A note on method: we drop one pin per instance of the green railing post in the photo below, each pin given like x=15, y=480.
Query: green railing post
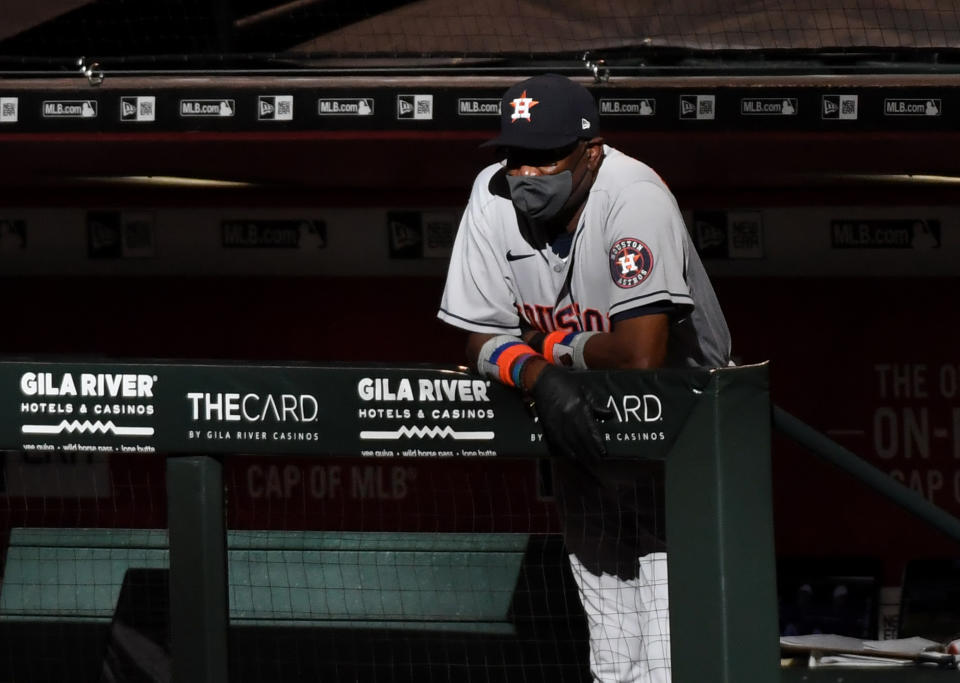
x=723, y=606
x=198, y=570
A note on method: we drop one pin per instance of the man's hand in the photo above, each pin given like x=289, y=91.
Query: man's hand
x=568, y=413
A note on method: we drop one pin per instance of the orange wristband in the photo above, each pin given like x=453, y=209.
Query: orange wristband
x=506, y=357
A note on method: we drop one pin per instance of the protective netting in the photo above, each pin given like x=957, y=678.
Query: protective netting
x=386, y=570
x=338, y=569
x=317, y=591
x=83, y=593
x=181, y=32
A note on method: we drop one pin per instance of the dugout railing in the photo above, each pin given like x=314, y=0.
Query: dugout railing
x=712, y=427
x=721, y=560
x=823, y=447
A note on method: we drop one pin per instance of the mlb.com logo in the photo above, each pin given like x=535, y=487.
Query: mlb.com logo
x=840, y=107
x=345, y=106
x=208, y=108
x=138, y=109
x=275, y=108
x=646, y=106
x=416, y=107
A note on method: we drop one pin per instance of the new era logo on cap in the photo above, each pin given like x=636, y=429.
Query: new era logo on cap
x=546, y=112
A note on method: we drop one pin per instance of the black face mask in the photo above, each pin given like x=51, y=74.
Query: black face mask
x=541, y=197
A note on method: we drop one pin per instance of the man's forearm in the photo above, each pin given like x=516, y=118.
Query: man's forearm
x=607, y=351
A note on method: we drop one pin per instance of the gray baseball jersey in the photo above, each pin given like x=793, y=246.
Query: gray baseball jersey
x=631, y=249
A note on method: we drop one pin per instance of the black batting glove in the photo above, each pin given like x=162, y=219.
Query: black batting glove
x=568, y=413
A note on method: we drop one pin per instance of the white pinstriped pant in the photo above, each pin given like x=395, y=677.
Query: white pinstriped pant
x=629, y=622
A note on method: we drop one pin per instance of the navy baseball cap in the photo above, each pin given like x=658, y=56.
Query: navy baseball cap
x=546, y=112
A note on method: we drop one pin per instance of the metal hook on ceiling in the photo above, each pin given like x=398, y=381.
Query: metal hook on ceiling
x=92, y=71
x=598, y=67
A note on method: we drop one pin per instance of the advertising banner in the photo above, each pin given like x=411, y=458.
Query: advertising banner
x=371, y=411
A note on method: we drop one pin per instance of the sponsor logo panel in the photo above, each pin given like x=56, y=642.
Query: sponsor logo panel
x=423, y=417
x=643, y=106
x=138, y=234
x=120, y=234
x=70, y=109
x=728, y=235
x=208, y=108
x=893, y=106
x=275, y=108
x=745, y=235
x=139, y=108
x=74, y=412
x=478, y=106
x=840, y=107
x=268, y=417
x=9, y=109
x=104, y=236
x=906, y=233
x=87, y=413
x=710, y=233
x=345, y=106
x=273, y=233
x=698, y=107
x=405, y=234
x=415, y=107
x=769, y=106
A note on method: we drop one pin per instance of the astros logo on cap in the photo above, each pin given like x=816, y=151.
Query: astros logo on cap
x=521, y=107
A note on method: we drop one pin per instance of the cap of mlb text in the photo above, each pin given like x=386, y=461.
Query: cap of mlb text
x=546, y=112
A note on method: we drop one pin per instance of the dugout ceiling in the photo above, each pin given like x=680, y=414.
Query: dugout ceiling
x=440, y=28
x=542, y=26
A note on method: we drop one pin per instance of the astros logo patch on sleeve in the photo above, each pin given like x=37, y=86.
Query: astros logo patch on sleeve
x=631, y=261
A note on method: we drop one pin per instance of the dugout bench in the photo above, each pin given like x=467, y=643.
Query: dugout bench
x=436, y=581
